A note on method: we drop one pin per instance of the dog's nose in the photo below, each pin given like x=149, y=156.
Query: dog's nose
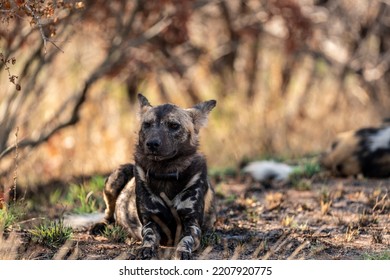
x=153, y=144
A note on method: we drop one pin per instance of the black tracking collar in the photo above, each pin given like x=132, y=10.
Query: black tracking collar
x=163, y=176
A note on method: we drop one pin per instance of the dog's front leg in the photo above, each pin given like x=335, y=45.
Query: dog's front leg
x=190, y=240
x=148, y=207
x=113, y=187
x=150, y=241
x=189, y=206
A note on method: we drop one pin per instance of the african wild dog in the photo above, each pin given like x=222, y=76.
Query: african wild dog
x=365, y=151
x=165, y=197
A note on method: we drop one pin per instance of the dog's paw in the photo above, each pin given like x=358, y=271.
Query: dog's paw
x=182, y=255
x=146, y=253
x=97, y=229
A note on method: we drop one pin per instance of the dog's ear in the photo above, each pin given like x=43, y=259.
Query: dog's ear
x=144, y=104
x=199, y=113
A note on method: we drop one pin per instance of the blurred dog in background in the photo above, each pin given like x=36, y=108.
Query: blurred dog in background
x=365, y=151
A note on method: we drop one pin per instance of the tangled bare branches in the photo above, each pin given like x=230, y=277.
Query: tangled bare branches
x=141, y=40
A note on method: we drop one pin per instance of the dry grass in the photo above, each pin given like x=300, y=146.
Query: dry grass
x=351, y=234
x=301, y=232
x=9, y=246
x=273, y=200
x=325, y=207
x=325, y=202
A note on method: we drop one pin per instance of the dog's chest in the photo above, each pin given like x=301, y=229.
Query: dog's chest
x=183, y=195
x=168, y=187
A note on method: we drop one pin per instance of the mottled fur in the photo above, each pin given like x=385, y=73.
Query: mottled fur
x=165, y=198
x=365, y=151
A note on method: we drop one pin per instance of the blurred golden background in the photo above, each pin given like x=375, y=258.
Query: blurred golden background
x=288, y=76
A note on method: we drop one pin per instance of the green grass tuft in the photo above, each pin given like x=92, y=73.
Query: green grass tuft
x=231, y=199
x=96, y=183
x=377, y=256
x=52, y=234
x=55, y=196
x=301, y=176
x=9, y=215
x=81, y=198
x=307, y=170
x=86, y=198
x=211, y=238
x=115, y=234
x=222, y=173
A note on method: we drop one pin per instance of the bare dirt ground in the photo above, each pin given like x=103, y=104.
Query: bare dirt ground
x=324, y=218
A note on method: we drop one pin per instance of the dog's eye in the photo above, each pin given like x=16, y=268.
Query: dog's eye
x=146, y=125
x=173, y=126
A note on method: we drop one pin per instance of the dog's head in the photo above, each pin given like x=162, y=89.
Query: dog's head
x=168, y=131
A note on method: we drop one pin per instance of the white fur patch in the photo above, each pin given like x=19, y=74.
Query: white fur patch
x=381, y=140
x=186, y=204
x=267, y=170
x=141, y=173
x=83, y=221
x=189, y=202
x=156, y=200
x=155, y=210
x=193, y=180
